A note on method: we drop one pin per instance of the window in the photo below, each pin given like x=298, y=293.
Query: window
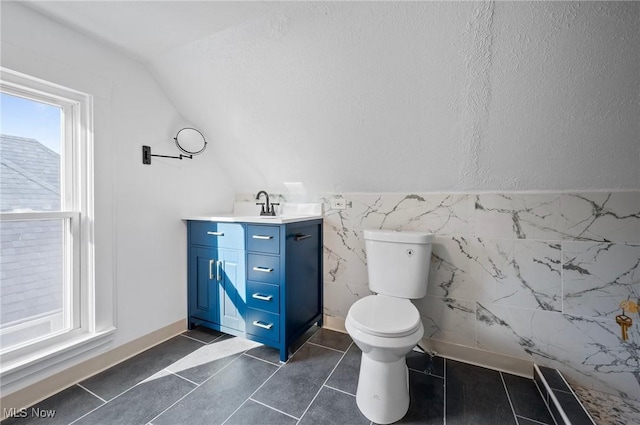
x=46, y=258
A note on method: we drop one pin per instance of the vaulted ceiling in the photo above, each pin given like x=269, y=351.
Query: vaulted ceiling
x=394, y=96
x=146, y=29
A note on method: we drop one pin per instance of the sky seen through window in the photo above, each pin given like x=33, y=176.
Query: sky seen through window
x=31, y=119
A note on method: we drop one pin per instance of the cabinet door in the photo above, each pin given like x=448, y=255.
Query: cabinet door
x=303, y=274
x=231, y=287
x=203, y=288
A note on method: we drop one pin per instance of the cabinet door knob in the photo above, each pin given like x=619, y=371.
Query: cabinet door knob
x=262, y=297
x=262, y=325
x=262, y=269
x=215, y=233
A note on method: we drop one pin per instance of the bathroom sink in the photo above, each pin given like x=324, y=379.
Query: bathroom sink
x=248, y=212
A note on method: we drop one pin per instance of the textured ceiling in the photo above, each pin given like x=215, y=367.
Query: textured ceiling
x=394, y=96
x=146, y=29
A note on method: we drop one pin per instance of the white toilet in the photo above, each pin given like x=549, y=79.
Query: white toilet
x=387, y=326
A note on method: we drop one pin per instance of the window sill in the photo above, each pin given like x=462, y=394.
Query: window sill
x=26, y=370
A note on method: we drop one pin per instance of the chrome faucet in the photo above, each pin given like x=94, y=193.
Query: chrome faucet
x=269, y=210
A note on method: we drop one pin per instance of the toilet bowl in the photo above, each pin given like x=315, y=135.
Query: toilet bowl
x=387, y=326
x=386, y=329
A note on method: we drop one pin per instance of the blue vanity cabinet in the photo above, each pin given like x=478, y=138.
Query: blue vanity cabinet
x=269, y=288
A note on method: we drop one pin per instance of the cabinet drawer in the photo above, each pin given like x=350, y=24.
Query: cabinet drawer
x=263, y=324
x=222, y=235
x=263, y=239
x=263, y=296
x=263, y=268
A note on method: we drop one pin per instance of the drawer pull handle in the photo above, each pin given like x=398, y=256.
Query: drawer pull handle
x=262, y=297
x=215, y=233
x=211, y=276
x=262, y=237
x=262, y=325
x=301, y=237
x=262, y=269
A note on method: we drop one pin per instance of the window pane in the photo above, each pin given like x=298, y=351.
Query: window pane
x=32, y=292
x=29, y=155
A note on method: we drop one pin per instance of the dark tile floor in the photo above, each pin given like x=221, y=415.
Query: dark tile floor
x=205, y=377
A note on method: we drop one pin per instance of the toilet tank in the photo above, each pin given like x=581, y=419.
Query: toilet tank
x=398, y=262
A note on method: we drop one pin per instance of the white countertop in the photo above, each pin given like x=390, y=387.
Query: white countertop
x=279, y=219
x=248, y=212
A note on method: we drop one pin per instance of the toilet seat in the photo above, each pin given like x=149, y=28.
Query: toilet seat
x=384, y=316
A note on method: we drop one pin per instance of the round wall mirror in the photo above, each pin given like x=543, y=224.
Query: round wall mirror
x=190, y=141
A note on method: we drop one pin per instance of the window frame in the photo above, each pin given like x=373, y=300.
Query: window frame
x=77, y=211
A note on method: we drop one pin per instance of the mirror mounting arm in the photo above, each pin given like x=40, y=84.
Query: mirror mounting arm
x=146, y=155
x=189, y=134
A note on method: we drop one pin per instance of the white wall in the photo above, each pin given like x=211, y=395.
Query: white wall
x=140, y=238
x=420, y=96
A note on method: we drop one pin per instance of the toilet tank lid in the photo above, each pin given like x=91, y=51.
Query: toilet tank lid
x=398, y=237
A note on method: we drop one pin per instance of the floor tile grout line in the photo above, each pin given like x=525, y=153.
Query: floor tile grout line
x=425, y=373
x=217, y=338
x=92, y=410
x=181, y=377
x=115, y=397
x=273, y=408
x=325, y=382
x=89, y=412
x=444, y=396
x=193, y=389
x=506, y=390
x=328, y=348
x=551, y=397
x=575, y=396
x=92, y=393
x=302, y=345
x=194, y=339
x=339, y=390
x=532, y=420
x=251, y=395
x=234, y=412
x=262, y=360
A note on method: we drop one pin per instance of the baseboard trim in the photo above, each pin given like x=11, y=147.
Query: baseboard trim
x=461, y=353
x=47, y=387
x=334, y=323
x=481, y=358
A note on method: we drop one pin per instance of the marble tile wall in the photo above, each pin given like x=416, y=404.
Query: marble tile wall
x=537, y=276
